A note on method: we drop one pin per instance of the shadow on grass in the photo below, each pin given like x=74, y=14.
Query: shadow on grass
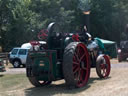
x=54, y=89
x=16, y=68
x=1, y=75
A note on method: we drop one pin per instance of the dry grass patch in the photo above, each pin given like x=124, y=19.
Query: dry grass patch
x=11, y=83
x=115, y=85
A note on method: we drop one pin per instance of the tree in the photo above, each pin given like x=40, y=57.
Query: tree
x=19, y=25
x=21, y=20
x=108, y=18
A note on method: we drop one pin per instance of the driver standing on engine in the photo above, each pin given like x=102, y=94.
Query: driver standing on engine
x=91, y=44
x=88, y=36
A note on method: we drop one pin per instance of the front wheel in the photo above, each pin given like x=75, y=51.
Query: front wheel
x=103, y=66
x=76, y=66
x=30, y=74
x=16, y=63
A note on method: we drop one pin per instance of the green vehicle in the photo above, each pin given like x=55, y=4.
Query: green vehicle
x=67, y=56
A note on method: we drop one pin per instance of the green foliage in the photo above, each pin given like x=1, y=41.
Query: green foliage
x=19, y=24
x=53, y=11
x=84, y=5
x=21, y=20
x=108, y=19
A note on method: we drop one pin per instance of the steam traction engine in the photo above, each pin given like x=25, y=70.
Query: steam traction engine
x=65, y=56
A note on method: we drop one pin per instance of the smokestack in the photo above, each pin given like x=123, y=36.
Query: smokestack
x=87, y=20
x=85, y=8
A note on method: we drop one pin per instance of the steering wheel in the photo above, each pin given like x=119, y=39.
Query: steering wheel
x=47, y=33
x=43, y=34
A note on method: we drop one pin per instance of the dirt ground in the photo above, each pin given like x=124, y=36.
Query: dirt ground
x=115, y=85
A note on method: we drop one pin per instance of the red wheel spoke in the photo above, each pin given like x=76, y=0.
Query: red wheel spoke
x=76, y=70
x=82, y=56
x=74, y=67
x=77, y=57
x=75, y=63
x=78, y=51
x=81, y=76
x=102, y=66
x=84, y=68
x=106, y=66
x=74, y=59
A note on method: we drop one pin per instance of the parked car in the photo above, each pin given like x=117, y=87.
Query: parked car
x=2, y=67
x=18, y=56
x=123, y=51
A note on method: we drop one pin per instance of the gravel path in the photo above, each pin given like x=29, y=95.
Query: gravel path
x=14, y=71
x=114, y=64
x=119, y=65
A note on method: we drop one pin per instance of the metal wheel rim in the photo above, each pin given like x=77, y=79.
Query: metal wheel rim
x=16, y=63
x=105, y=67
x=81, y=65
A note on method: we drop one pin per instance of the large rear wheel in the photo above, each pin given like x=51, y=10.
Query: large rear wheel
x=103, y=66
x=76, y=66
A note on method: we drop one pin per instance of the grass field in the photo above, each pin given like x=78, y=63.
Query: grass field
x=115, y=85
x=12, y=83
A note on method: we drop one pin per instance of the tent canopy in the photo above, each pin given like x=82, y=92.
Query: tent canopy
x=106, y=41
x=108, y=46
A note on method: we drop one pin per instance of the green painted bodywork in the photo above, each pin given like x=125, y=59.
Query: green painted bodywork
x=46, y=67
x=47, y=64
